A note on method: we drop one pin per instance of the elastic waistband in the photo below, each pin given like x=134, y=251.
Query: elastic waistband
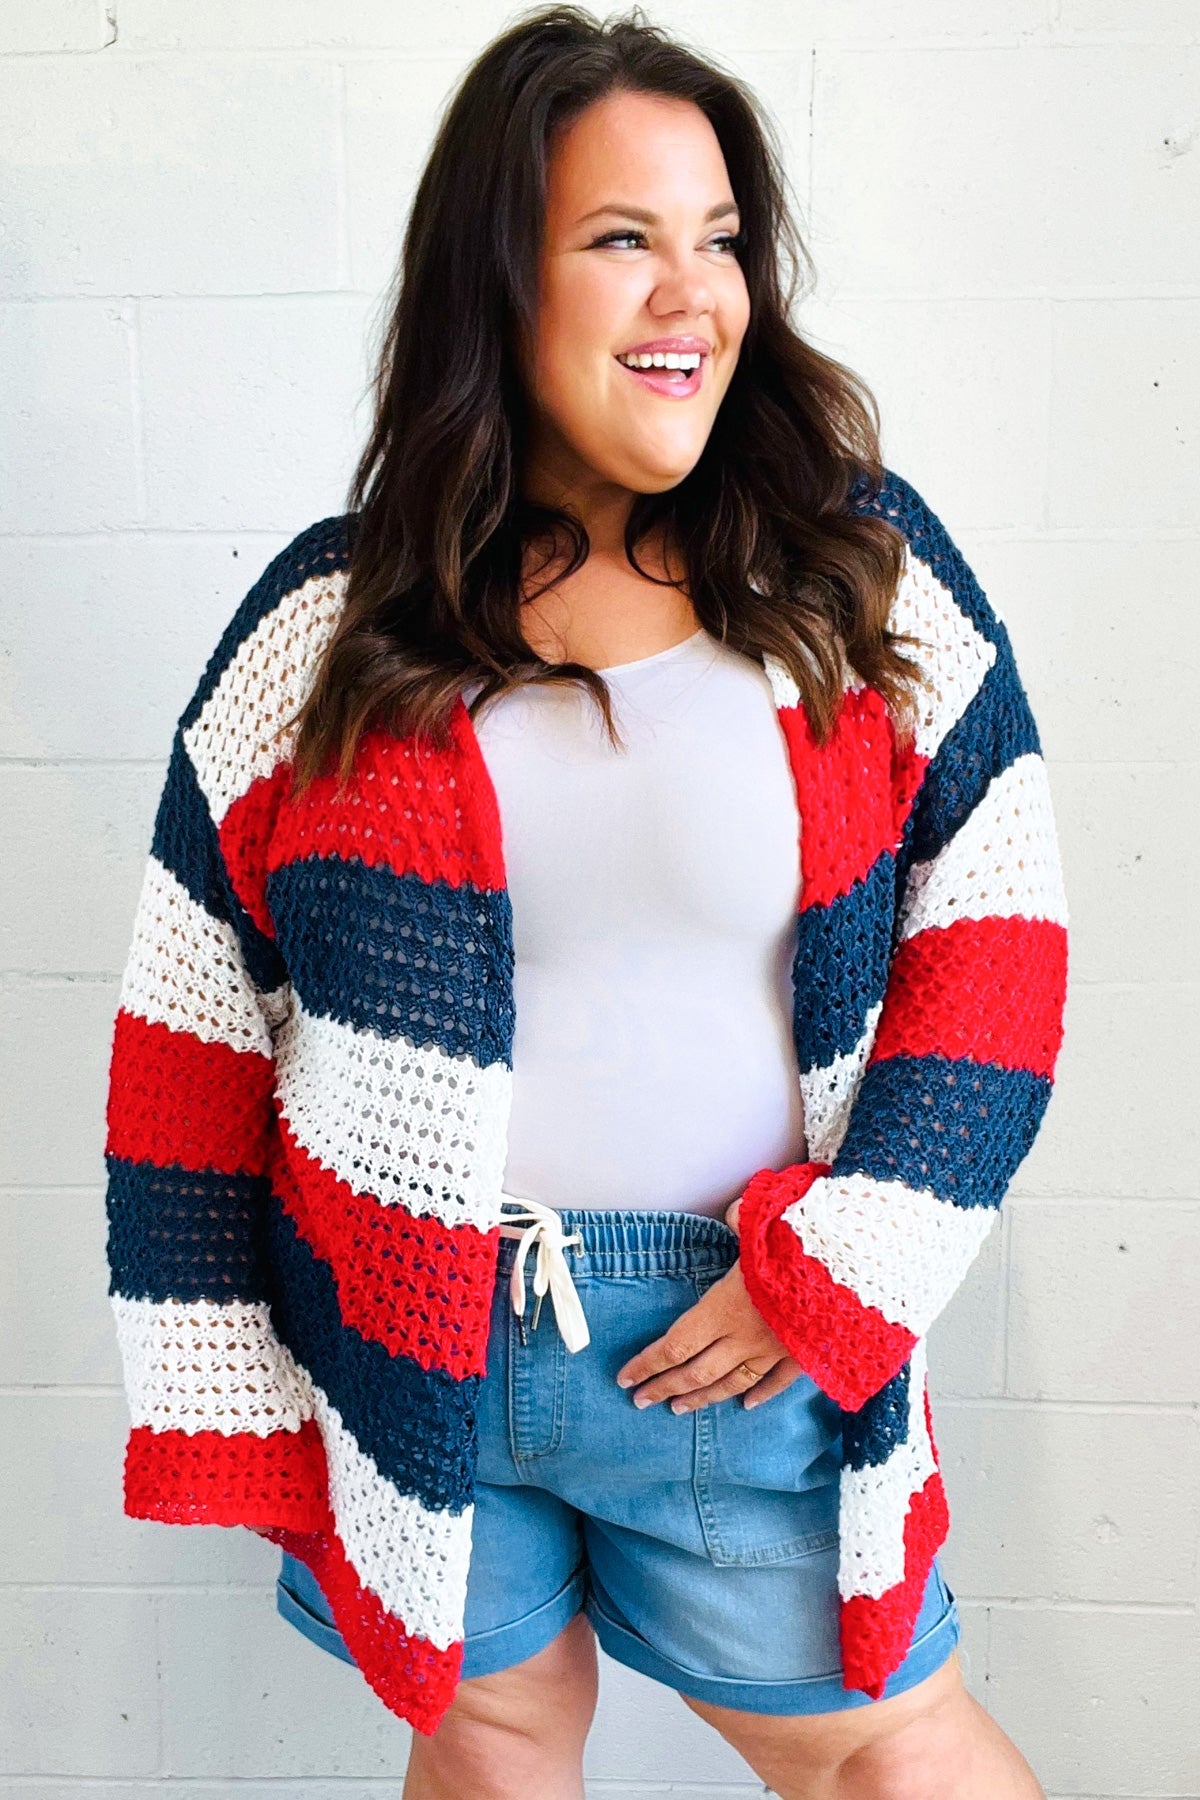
x=634, y=1241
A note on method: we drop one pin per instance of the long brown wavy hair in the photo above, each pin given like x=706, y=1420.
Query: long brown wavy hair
x=774, y=561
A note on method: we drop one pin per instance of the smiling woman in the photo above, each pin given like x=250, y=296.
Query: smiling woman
x=726, y=1007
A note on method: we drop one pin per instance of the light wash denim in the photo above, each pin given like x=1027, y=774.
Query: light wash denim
x=703, y=1546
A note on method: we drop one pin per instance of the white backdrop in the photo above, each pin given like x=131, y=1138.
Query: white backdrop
x=201, y=207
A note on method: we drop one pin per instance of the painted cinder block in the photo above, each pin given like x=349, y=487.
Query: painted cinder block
x=1049, y=1502
x=1100, y=1702
x=1066, y=602
x=68, y=456
x=73, y=830
x=254, y=410
x=1123, y=448
x=1115, y=1126
x=86, y=1702
x=168, y=175
x=54, y=1055
x=136, y=619
x=935, y=368
x=1103, y=1300
x=1101, y=196
x=58, y=1238
x=74, y=1443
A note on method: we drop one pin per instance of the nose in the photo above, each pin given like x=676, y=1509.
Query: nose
x=683, y=287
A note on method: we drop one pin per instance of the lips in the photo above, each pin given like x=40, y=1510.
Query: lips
x=666, y=383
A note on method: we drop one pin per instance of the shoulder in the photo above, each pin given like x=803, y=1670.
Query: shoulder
x=930, y=546
x=238, y=725
x=961, y=640
x=288, y=614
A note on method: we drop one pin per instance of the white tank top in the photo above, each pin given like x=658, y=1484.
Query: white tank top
x=654, y=893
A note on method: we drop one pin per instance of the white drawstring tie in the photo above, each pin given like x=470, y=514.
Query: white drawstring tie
x=543, y=1226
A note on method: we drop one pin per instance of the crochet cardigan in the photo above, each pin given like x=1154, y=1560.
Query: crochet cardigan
x=311, y=1073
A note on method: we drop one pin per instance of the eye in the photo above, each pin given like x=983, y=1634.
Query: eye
x=617, y=236
x=730, y=242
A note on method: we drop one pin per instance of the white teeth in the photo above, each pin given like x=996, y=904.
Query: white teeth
x=686, y=360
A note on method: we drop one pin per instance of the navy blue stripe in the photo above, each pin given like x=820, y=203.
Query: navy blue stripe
x=840, y=966
x=902, y=506
x=179, y=1234
x=957, y=1127
x=321, y=549
x=870, y=1435
x=422, y=960
x=418, y=1425
x=185, y=841
x=994, y=731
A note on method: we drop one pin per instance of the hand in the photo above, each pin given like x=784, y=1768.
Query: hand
x=700, y=1358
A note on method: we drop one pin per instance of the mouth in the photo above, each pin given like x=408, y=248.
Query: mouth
x=674, y=382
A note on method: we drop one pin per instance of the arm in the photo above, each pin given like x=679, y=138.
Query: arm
x=221, y=1431
x=851, y=1258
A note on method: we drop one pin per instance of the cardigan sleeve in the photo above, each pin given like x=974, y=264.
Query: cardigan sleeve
x=221, y=1430
x=851, y=1258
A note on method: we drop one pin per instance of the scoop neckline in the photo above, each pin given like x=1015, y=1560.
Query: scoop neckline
x=640, y=662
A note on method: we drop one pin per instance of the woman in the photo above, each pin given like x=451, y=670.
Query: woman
x=621, y=841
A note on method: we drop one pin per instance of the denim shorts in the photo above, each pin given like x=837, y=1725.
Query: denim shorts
x=702, y=1546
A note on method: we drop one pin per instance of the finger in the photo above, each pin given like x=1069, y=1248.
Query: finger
x=737, y=1381
x=731, y=1214
x=686, y=1338
x=780, y=1377
x=699, y=1372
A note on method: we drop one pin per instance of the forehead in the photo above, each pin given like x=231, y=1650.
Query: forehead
x=644, y=149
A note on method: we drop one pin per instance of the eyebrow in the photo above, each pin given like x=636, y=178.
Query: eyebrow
x=720, y=211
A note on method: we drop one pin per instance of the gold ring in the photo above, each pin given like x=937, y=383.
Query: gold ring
x=752, y=1373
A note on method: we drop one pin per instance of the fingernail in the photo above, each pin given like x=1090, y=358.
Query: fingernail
x=642, y=1399
x=624, y=1380
x=678, y=1406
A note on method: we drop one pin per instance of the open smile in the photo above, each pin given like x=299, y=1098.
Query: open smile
x=675, y=384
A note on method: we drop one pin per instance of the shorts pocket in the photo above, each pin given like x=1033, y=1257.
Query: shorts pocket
x=766, y=1480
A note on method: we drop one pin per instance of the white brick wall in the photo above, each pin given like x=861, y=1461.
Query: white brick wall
x=202, y=205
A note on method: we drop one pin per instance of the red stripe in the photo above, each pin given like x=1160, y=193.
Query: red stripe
x=244, y=834
x=175, y=1100
x=413, y=1284
x=278, y=1487
x=876, y=1634
x=989, y=989
x=208, y=1478
x=854, y=793
x=414, y=1679
x=848, y=1349
x=406, y=806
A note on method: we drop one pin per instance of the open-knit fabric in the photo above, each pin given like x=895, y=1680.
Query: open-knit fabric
x=311, y=1076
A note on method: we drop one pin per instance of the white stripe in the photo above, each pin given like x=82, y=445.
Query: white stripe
x=873, y=1502
x=784, y=690
x=1001, y=863
x=197, y=1365
x=953, y=654
x=415, y=1128
x=234, y=742
x=415, y=1560
x=902, y=1250
x=829, y=1093
x=185, y=971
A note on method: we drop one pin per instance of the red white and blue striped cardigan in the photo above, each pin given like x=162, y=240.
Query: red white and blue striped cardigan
x=310, y=1081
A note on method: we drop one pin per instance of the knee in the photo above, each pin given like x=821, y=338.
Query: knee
x=926, y=1757
x=516, y=1734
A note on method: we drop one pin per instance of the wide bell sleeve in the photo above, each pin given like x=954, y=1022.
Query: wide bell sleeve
x=220, y=1427
x=918, y=1125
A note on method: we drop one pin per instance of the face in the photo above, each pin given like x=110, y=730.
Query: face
x=637, y=249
